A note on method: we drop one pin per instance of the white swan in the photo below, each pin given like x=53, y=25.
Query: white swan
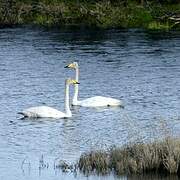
x=96, y=101
x=48, y=112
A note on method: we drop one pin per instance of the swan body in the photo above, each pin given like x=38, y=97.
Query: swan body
x=43, y=112
x=96, y=101
x=49, y=112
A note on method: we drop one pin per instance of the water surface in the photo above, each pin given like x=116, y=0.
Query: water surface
x=138, y=67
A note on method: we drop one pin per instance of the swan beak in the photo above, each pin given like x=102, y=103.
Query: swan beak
x=66, y=66
x=71, y=81
x=72, y=66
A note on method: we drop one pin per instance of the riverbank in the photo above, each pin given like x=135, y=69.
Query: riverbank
x=98, y=14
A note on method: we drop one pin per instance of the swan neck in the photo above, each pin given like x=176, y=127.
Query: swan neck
x=76, y=88
x=67, y=108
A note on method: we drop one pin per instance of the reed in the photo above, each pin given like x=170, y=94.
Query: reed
x=141, y=158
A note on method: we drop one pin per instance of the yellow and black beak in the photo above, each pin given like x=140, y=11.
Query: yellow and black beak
x=66, y=66
x=72, y=66
x=75, y=82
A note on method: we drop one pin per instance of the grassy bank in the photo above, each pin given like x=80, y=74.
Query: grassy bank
x=101, y=14
x=161, y=157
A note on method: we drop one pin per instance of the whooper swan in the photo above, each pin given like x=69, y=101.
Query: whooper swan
x=96, y=101
x=48, y=112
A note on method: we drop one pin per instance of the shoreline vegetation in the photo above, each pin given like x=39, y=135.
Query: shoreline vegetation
x=161, y=157
x=147, y=14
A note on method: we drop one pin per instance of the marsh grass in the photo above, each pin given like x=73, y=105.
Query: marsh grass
x=140, y=158
x=95, y=161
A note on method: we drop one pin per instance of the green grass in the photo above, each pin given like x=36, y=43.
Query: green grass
x=159, y=26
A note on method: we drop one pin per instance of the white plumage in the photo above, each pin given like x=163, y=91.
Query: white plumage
x=99, y=101
x=49, y=112
x=43, y=112
x=96, y=101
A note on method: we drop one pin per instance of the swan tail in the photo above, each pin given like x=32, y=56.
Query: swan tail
x=21, y=113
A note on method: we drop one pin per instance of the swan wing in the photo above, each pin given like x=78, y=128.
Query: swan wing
x=99, y=101
x=43, y=111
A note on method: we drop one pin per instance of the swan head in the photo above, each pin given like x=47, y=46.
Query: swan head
x=71, y=81
x=73, y=65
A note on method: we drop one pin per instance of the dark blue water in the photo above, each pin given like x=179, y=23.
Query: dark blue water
x=140, y=68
